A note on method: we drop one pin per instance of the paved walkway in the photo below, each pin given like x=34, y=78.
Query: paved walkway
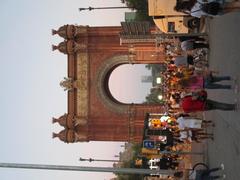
x=224, y=37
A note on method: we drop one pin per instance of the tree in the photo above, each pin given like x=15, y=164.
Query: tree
x=135, y=149
x=136, y=4
x=141, y=7
x=148, y=66
x=152, y=98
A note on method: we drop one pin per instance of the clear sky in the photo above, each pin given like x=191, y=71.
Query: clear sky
x=126, y=86
x=30, y=91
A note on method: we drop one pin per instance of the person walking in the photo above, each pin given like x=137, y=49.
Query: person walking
x=211, y=8
x=198, y=101
x=207, y=81
x=182, y=61
x=208, y=174
x=191, y=44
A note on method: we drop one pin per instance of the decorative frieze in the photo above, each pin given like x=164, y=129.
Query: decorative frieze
x=82, y=84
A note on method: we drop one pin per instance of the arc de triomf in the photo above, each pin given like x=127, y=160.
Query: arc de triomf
x=93, y=113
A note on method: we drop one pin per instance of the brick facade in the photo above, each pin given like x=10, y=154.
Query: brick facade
x=92, y=54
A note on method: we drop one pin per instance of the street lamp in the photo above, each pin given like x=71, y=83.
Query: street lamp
x=103, y=160
x=88, y=169
x=93, y=8
x=159, y=80
x=160, y=97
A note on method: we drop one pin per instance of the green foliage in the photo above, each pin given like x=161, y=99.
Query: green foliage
x=148, y=66
x=152, y=98
x=136, y=148
x=141, y=7
x=157, y=68
x=130, y=177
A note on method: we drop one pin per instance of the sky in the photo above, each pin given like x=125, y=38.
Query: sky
x=30, y=92
x=126, y=83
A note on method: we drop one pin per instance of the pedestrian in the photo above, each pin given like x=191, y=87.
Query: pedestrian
x=207, y=174
x=210, y=81
x=192, y=123
x=201, y=8
x=198, y=101
x=179, y=61
x=167, y=163
x=198, y=135
x=207, y=81
x=195, y=38
x=191, y=44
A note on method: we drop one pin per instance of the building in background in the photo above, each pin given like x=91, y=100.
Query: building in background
x=146, y=79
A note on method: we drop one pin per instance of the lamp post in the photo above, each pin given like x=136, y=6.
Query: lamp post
x=93, y=8
x=100, y=160
x=88, y=169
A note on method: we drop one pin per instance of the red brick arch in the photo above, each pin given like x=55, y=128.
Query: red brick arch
x=93, y=53
x=102, y=78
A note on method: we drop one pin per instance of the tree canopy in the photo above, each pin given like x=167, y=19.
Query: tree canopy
x=136, y=148
x=141, y=7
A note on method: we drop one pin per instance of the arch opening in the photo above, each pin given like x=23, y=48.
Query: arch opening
x=103, y=80
x=129, y=83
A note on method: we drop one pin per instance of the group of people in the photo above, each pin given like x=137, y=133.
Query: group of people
x=187, y=91
x=210, y=8
x=185, y=83
x=181, y=128
x=184, y=87
x=170, y=131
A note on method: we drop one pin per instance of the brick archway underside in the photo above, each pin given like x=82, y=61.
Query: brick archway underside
x=102, y=83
